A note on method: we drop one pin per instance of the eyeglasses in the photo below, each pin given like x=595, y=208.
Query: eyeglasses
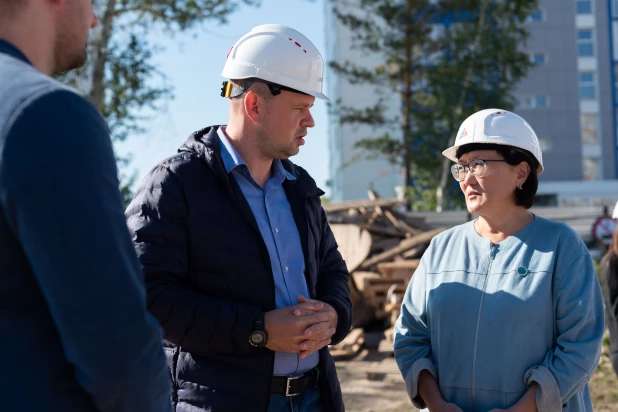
x=477, y=168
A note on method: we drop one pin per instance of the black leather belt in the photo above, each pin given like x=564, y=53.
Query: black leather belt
x=295, y=384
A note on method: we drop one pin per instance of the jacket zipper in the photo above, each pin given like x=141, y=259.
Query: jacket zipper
x=478, y=323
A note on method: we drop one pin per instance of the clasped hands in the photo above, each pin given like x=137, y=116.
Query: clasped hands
x=302, y=328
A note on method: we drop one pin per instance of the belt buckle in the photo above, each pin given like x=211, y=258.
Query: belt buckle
x=287, y=383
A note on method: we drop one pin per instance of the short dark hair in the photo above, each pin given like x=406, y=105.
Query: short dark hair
x=513, y=156
x=256, y=85
x=274, y=88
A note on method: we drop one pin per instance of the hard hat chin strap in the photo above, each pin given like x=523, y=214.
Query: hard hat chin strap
x=231, y=90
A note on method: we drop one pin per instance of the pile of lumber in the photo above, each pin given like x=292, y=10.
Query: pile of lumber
x=382, y=248
x=350, y=345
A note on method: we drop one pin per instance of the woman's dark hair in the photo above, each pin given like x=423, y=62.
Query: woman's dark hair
x=513, y=156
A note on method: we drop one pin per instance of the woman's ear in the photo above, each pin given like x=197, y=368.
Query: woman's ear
x=523, y=171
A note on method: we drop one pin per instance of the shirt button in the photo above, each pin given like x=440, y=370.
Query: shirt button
x=276, y=230
x=286, y=269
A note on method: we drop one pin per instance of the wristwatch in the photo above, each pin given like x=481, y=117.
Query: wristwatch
x=258, y=336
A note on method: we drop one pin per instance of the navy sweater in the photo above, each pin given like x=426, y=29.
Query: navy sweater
x=76, y=335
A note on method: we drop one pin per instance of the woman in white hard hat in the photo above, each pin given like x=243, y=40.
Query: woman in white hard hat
x=504, y=312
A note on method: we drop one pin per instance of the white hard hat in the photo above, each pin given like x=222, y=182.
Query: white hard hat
x=280, y=55
x=496, y=126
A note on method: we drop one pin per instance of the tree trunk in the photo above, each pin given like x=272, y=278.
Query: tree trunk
x=462, y=99
x=97, y=92
x=442, y=185
x=406, y=125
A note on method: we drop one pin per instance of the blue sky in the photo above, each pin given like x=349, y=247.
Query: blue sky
x=193, y=63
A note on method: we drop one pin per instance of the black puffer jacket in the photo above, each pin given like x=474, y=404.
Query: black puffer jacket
x=208, y=275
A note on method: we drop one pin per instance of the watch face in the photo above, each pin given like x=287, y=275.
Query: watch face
x=257, y=338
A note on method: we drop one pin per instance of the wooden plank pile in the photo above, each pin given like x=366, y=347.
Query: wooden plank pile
x=382, y=249
x=350, y=345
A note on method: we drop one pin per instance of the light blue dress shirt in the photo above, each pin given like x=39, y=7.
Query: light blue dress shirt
x=274, y=217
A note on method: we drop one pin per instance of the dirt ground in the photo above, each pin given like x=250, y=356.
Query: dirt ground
x=385, y=392
x=371, y=382
x=604, y=385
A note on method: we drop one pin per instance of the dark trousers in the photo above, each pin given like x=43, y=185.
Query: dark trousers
x=308, y=401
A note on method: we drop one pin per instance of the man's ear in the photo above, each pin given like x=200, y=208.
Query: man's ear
x=253, y=105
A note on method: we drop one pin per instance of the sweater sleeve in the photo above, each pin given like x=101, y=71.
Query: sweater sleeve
x=580, y=324
x=59, y=192
x=412, y=341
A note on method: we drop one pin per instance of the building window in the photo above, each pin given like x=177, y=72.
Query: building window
x=520, y=103
x=615, y=8
x=583, y=7
x=540, y=101
x=545, y=144
x=574, y=202
x=587, y=86
x=591, y=166
x=590, y=134
x=531, y=102
x=536, y=15
x=538, y=58
x=549, y=200
x=585, y=43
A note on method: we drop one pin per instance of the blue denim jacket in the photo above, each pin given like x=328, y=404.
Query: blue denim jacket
x=488, y=320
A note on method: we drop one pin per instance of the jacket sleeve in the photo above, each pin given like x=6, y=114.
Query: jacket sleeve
x=580, y=324
x=157, y=218
x=412, y=343
x=332, y=285
x=59, y=192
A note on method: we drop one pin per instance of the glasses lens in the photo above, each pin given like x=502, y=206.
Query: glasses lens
x=457, y=171
x=477, y=167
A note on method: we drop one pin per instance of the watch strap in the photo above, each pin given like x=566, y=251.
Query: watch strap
x=258, y=323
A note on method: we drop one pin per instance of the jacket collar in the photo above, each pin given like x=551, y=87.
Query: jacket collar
x=8, y=48
x=205, y=143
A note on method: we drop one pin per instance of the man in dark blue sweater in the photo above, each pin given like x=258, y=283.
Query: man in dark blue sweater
x=76, y=335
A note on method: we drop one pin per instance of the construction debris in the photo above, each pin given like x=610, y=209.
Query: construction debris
x=350, y=346
x=382, y=249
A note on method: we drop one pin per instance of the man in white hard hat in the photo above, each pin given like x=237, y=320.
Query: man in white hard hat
x=241, y=267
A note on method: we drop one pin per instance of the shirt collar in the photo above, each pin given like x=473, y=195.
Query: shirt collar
x=279, y=169
x=8, y=48
x=232, y=159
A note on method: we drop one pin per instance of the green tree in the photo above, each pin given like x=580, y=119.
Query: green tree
x=444, y=60
x=120, y=78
